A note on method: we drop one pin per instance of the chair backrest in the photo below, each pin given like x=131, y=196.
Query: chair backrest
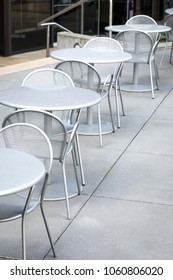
x=49, y=123
x=103, y=42
x=83, y=74
x=141, y=19
x=169, y=22
x=137, y=43
x=27, y=138
x=144, y=19
x=30, y=139
x=106, y=43
x=47, y=77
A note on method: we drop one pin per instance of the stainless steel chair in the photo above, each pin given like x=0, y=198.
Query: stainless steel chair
x=62, y=145
x=85, y=75
x=169, y=35
x=140, y=45
x=32, y=140
x=109, y=68
x=50, y=77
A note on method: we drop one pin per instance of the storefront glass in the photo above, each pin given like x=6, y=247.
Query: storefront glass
x=25, y=16
x=19, y=19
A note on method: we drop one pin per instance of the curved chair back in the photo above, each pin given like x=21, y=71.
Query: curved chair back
x=169, y=35
x=137, y=43
x=27, y=138
x=169, y=22
x=83, y=74
x=141, y=19
x=140, y=45
x=144, y=19
x=103, y=42
x=47, y=77
x=49, y=123
x=110, y=44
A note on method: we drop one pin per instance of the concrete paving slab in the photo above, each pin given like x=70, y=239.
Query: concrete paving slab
x=113, y=229
x=140, y=177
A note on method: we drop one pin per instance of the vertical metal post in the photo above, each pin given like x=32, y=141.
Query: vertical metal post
x=110, y=15
x=82, y=18
x=98, y=19
x=48, y=41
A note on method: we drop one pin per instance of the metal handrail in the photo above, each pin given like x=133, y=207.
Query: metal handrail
x=46, y=22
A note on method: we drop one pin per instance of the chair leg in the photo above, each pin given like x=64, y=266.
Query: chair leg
x=65, y=190
x=156, y=74
x=47, y=229
x=99, y=125
x=117, y=106
x=23, y=222
x=151, y=80
x=121, y=99
x=110, y=110
x=23, y=237
x=80, y=159
x=170, y=59
x=76, y=173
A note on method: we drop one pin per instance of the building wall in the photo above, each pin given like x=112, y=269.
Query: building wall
x=19, y=31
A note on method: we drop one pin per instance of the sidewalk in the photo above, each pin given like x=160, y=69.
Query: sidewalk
x=126, y=209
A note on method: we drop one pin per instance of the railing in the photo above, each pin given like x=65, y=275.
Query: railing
x=48, y=21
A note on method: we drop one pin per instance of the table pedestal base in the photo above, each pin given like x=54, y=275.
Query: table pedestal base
x=55, y=190
x=93, y=129
x=136, y=88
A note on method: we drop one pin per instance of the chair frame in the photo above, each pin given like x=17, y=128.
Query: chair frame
x=68, y=80
x=100, y=89
x=110, y=43
x=68, y=147
x=26, y=210
x=151, y=56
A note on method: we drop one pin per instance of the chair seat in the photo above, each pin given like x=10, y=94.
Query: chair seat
x=143, y=58
x=11, y=207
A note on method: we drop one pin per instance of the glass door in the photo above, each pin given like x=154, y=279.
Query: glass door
x=25, y=16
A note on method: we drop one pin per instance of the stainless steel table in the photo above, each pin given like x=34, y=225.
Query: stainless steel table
x=169, y=11
x=148, y=28
x=18, y=171
x=57, y=98
x=90, y=55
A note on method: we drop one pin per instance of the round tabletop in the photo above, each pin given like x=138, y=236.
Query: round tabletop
x=91, y=55
x=149, y=28
x=169, y=11
x=49, y=99
x=19, y=171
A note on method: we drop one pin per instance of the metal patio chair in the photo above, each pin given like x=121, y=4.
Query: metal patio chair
x=62, y=145
x=85, y=75
x=30, y=139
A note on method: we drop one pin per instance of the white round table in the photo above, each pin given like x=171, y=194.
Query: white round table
x=149, y=28
x=58, y=98
x=18, y=171
x=169, y=11
x=90, y=55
